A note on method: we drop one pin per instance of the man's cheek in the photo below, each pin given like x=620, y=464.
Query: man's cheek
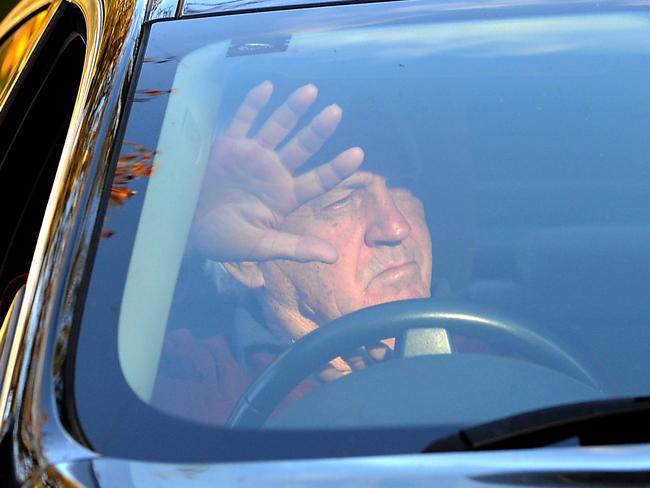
x=317, y=291
x=342, y=285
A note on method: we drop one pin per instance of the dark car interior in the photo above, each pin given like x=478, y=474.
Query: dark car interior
x=33, y=126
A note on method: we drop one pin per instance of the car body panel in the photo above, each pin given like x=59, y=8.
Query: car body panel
x=46, y=453
x=453, y=8
x=41, y=12
x=163, y=9
x=37, y=352
x=542, y=467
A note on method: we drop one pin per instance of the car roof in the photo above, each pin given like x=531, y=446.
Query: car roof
x=188, y=8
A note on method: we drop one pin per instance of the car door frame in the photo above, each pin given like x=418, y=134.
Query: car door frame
x=35, y=435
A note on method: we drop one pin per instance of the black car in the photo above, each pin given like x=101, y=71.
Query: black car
x=384, y=243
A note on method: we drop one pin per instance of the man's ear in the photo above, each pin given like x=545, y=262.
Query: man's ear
x=248, y=273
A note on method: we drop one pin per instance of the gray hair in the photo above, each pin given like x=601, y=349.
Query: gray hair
x=225, y=283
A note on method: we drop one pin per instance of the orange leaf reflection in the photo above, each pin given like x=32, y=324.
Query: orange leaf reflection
x=132, y=165
x=148, y=94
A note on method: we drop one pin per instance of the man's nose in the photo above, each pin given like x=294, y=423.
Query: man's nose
x=387, y=225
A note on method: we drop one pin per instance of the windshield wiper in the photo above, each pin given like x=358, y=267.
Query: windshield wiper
x=595, y=423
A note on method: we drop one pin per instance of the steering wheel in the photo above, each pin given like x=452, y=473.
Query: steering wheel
x=389, y=320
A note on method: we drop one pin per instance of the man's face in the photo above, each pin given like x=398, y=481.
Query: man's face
x=383, y=245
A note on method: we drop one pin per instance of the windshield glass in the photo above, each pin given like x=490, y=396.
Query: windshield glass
x=372, y=218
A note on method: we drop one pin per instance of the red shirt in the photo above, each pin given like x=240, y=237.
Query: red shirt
x=202, y=380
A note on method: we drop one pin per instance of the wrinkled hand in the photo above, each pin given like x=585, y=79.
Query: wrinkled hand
x=250, y=186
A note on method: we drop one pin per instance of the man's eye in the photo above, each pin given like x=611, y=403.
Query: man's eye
x=340, y=203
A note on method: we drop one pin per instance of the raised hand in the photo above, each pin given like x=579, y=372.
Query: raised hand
x=250, y=186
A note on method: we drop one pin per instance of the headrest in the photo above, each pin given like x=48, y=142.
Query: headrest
x=591, y=257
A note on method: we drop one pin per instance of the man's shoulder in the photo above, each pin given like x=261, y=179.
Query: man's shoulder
x=198, y=378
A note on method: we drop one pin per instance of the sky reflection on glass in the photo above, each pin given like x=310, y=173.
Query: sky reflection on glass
x=511, y=37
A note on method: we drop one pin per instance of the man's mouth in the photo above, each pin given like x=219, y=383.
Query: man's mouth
x=395, y=273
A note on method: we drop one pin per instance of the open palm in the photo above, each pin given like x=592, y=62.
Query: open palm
x=250, y=186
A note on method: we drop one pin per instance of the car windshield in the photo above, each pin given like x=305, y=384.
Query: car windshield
x=374, y=218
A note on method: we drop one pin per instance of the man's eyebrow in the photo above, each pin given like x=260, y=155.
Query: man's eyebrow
x=357, y=181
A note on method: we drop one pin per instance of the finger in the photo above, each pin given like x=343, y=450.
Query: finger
x=310, y=139
x=357, y=359
x=381, y=350
x=334, y=370
x=284, y=119
x=250, y=108
x=281, y=245
x=325, y=177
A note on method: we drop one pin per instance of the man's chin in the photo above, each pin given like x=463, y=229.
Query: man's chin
x=412, y=293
